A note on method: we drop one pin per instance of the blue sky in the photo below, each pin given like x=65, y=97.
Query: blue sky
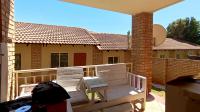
x=61, y=13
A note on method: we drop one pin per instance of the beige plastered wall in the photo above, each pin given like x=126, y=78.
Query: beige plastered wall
x=157, y=53
x=70, y=49
x=46, y=54
x=25, y=51
x=119, y=54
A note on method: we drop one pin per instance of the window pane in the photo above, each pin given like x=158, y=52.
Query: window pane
x=54, y=60
x=162, y=56
x=110, y=60
x=63, y=60
x=115, y=59
x=17, y=61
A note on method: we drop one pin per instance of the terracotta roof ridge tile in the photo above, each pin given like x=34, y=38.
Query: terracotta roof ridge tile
x=43, y=24
x=106, y=33
x=95, y=39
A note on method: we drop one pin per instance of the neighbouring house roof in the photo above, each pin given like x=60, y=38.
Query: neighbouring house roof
x=51, y=34
x=171, y=44
x=111, y=41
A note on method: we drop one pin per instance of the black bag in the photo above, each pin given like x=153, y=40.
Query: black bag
x=47, y=93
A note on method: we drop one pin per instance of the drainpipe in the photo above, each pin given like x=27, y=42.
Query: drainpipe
x=0, y=77
x=1, y=54
x=129, y=39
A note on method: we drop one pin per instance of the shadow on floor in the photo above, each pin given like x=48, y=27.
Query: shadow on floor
x=150, y=98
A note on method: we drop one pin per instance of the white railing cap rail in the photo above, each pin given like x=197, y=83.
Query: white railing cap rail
x=52, y=69
x=139, y=76
x=35, y=70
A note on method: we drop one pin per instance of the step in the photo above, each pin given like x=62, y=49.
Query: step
x=126, y=107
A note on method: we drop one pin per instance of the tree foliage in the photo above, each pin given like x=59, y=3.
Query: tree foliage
x=187, y=29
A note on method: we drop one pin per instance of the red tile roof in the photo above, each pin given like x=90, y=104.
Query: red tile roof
x=111, y=41
x=51, y=34
x=171, y=44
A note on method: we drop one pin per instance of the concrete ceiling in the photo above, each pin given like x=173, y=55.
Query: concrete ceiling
x=130, y=7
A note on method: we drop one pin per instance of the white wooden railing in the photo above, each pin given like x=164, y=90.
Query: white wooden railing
x=138, y=82
x=33, y=76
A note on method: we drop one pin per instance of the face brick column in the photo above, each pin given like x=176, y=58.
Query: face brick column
x=142, y=31
x=36, y=50
x=97, y=56
x=7, y=27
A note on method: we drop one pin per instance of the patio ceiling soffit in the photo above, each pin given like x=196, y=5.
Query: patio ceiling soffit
x=130, y=7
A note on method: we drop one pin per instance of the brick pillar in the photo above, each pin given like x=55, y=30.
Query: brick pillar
x=142, y=30
x=36, y=50
x=97, y=56
x=7, y=46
